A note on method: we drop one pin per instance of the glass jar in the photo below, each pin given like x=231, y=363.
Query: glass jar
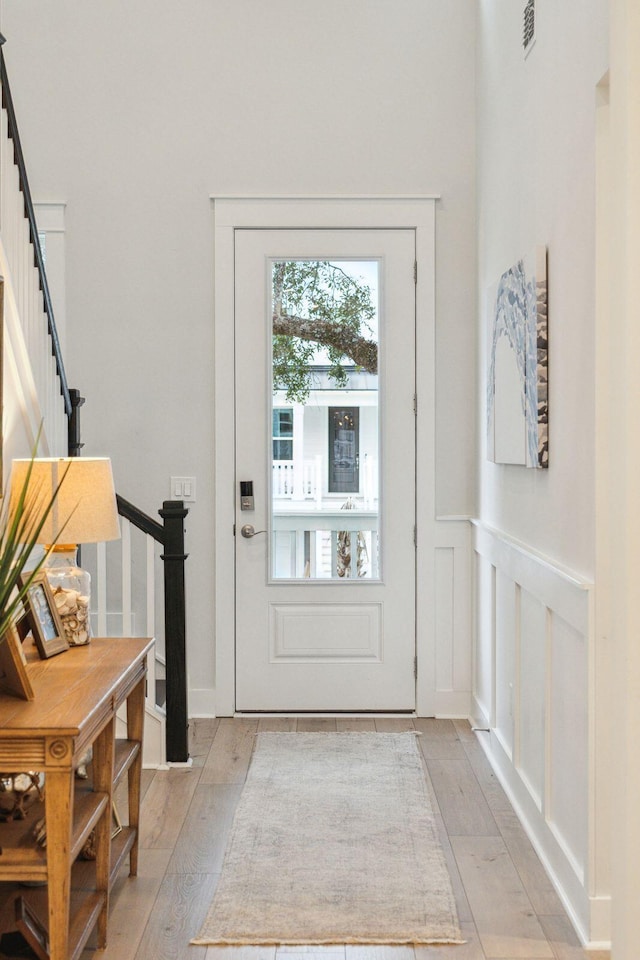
x=71, y=588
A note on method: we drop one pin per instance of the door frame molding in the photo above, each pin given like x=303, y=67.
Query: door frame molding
x=312, y=213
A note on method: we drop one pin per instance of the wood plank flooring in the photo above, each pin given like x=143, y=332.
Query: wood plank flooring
x=506, y=904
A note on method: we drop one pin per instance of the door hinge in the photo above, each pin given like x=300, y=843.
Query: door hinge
x=415, y=271
x=415, y=668
x=415, y=535
x=415, y=404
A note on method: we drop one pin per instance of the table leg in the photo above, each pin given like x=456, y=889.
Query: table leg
x=103, y=752
x=135, y=727
x=59, y=817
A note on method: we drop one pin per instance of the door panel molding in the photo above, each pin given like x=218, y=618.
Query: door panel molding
x=291, y=639
x=230, y=214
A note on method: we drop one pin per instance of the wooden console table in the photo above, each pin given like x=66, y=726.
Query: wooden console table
x=77, y=694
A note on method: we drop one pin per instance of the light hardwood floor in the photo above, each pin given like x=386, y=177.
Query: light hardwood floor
x=506, y=904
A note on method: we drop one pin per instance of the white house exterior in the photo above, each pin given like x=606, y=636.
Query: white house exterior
x=323, y=466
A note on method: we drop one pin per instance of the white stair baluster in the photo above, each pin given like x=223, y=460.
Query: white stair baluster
x=101, y=588
x=126, y=578
x=151, y=587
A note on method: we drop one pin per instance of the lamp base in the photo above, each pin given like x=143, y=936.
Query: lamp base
x=71, y=588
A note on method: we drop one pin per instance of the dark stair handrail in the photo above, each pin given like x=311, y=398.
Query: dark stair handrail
x=29, y=212
x=170, y=534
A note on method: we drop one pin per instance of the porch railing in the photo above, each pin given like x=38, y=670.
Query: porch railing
x=340, y=543
x=302, y=480
x=297, y=481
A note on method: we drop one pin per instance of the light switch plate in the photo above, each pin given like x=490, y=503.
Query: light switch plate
x=183, y=488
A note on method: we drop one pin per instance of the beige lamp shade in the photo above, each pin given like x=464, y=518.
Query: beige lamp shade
x=85, y=509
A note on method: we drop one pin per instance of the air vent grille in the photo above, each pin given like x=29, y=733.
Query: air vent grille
x=529, y=26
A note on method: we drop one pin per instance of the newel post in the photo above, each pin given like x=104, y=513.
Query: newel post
x=173, y=513
x=74, y=444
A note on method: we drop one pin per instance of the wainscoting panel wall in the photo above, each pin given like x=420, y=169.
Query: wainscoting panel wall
x=533, y=692
x=484, y=652
x=452, y=611
x=531, y=728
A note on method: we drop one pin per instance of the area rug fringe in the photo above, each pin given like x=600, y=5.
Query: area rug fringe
x=339, y=733
x=333, y=842
x=308, y=942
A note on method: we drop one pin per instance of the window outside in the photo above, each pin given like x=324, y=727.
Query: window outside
x=325, y=422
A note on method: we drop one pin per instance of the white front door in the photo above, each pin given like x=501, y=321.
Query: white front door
x=325, y=435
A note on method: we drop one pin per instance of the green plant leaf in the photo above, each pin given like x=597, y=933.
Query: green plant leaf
x=20, y=528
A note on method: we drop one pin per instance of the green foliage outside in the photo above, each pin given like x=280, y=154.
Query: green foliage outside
x=316, y=304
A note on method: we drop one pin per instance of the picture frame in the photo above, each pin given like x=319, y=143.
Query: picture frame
x=14, y=678
x=43, y=617
x=517, y=411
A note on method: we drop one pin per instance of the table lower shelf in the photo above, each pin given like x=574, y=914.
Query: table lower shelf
x=86, y=903
x=22, y=858
x=84, y=918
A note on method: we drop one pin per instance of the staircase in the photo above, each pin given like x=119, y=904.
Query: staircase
x=32, y=350
x=39, y=396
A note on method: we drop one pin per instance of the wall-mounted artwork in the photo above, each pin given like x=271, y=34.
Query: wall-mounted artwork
x=517, y=382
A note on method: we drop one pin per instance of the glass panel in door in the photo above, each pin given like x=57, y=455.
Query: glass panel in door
x=325, y=516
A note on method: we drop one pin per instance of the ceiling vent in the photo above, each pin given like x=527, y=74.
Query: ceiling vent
x=529, y=26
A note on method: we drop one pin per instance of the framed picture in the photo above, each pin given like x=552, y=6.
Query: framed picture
x=517, y=375
x=13, y=667
x=43, y=617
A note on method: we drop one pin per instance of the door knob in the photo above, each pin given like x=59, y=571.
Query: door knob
x=248, y=531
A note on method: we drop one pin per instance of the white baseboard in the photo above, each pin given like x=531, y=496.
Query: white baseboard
x=590, y=916
x=202, y=702
x=452, y=704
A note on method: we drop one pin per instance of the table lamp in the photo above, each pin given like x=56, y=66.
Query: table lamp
x=84, y=511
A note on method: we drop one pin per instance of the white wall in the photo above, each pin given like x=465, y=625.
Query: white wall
x=134, y=114
x=541, y=674
x=32, y=405
x=20, y=416
x=621, y=509
x=536, y=176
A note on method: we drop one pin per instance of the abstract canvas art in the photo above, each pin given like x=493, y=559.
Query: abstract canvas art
x=517, y=381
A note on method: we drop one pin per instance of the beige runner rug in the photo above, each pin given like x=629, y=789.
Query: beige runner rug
x=334, y=841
